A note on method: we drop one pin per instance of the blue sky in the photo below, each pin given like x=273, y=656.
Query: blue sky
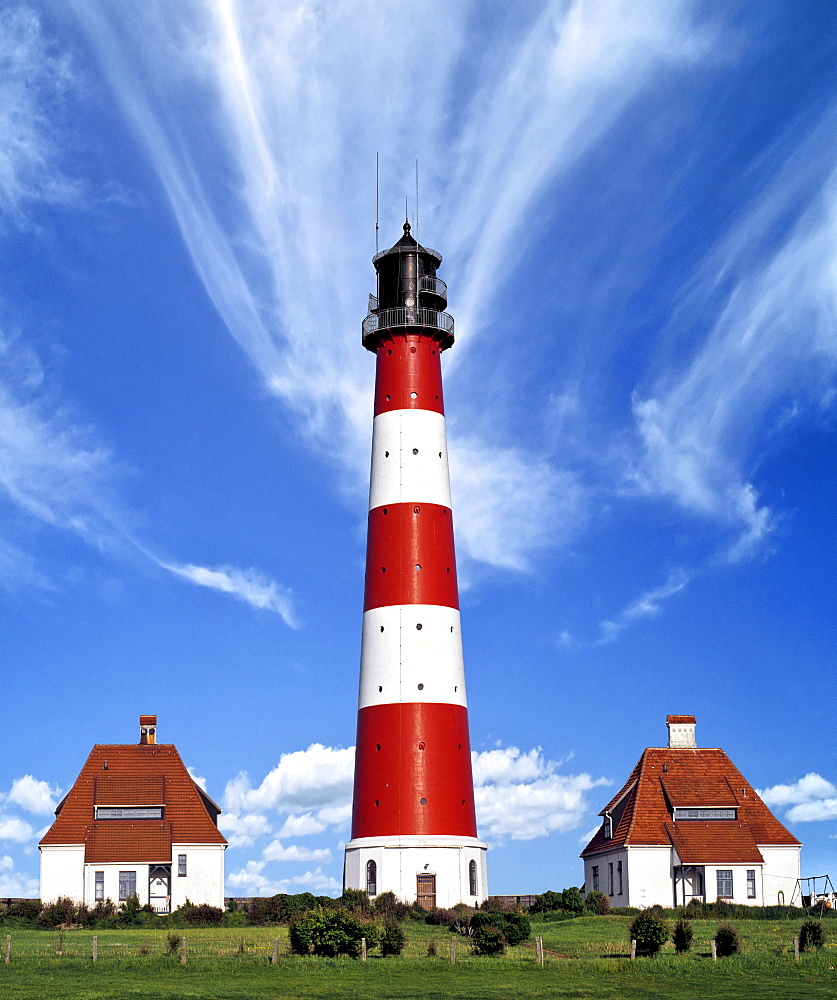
x=637, y=206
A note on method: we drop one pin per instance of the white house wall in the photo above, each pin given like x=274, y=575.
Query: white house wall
x=781, y=872
x=62, y=872
x=204, y=879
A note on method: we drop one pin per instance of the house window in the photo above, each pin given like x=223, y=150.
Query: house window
x=472, y=877
x=619, y=875
x=99, y=886
x=610, y=878
x=181, y=865
x=751, y=883
x=681, y=814
x=724, y=876
x=595, y=878
x=608, y=827
x=371, y=878
x=127, y=885
x=129, y=812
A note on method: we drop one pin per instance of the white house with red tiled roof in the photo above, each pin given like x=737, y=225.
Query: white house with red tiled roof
x=135, y=822
x=687, y=825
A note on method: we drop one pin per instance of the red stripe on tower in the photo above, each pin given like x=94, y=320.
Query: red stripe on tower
x=413, y=820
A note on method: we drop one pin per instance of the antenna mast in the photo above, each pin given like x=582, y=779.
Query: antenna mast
x=416, y=198
x=376, y=203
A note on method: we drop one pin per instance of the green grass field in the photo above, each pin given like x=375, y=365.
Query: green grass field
x=586, y=957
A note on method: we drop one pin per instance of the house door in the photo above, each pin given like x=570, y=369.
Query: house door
x=426, y=890
x=159, y=888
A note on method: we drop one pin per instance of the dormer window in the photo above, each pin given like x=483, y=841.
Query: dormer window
x=129, y=812
x=608, y=827
x=701, y=813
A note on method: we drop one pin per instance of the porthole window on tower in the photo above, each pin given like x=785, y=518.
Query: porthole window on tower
x=372, y=878
x=415, y=451
x=472, y=877
x=422, y=802
x=419, y=626
x=413, y=395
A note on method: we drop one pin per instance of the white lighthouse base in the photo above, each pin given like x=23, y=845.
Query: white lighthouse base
x=436, y=871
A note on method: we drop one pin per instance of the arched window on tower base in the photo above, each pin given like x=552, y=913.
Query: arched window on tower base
x=371, y=878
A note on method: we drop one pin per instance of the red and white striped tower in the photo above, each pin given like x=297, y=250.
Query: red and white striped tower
x=414, y=826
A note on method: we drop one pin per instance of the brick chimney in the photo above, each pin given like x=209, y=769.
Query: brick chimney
x=681, y=731
x=148, y=730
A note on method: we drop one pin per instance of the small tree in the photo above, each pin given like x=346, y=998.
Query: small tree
x=598, y=902
x=649, y=932
x=393, y=938
x=545, y=902
x=356, y=901
x=329, y=934
x=683, y=934
x=572, y=900
x=488, y=940
x=727, y=941
x=811, y=935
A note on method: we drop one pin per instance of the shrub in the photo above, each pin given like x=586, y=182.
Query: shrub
x=60, y=911
x=683, y=934
x=597, y=902
x=173, y=943
x=431, y=948
x=727, y=941
x=649, y=931
x=572, y=900
x=488, y=940
x=811, y=935
x=23, y=909
x=393, y=938
x=328, y=934
x=356, y=901
x=516, y=928
x=235, y=918
x=103, y=908
x=199, y=914
x=128, y=914
x=545, y=902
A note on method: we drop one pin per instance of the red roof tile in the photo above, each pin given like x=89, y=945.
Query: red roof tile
x=131, y=773
x=141, y=841
x=148, y=720
x=716, y=842
x=681, y=720
x=641, y=812
x=701, y=791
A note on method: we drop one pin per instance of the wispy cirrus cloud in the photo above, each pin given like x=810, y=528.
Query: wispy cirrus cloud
x=260, y=239
x=768, y=292
x=33, y=80
x=248, y=585
x=647, y=605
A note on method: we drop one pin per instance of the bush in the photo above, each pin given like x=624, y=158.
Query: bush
x=597, y=902
x=683, y=934
x=512, y=927
x=61, y=911
x=727, y=941
x=393, y=938
x=22, y=909
x=572, y=900
x=516, y=928
x=173, y=943
x=649, y=931
x=328, y=935
x=545, y=902
x=488, y=940
x=811, y=935
x=356, y=901
x=198, y=915
x=431, y=948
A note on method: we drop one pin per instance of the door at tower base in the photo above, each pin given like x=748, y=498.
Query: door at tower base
x=437, y=871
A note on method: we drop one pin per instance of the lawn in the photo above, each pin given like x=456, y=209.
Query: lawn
x=234, y=963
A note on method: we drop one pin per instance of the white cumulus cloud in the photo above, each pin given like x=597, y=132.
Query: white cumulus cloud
x=36, y=797
x=14, y=829
x=241, y=831
x=810, y=798
x=275, y=851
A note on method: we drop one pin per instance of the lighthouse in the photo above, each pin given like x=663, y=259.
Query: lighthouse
x=414, y=828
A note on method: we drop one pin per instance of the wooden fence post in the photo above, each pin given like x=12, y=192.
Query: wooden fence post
x=796, y=948
x=183, y=950
x=95, y=947
x=633, y=948
x=363, y=949
x=453, y=949
x=714, y=950
x=274, y=958
x=539, y=949
x=8, y=948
